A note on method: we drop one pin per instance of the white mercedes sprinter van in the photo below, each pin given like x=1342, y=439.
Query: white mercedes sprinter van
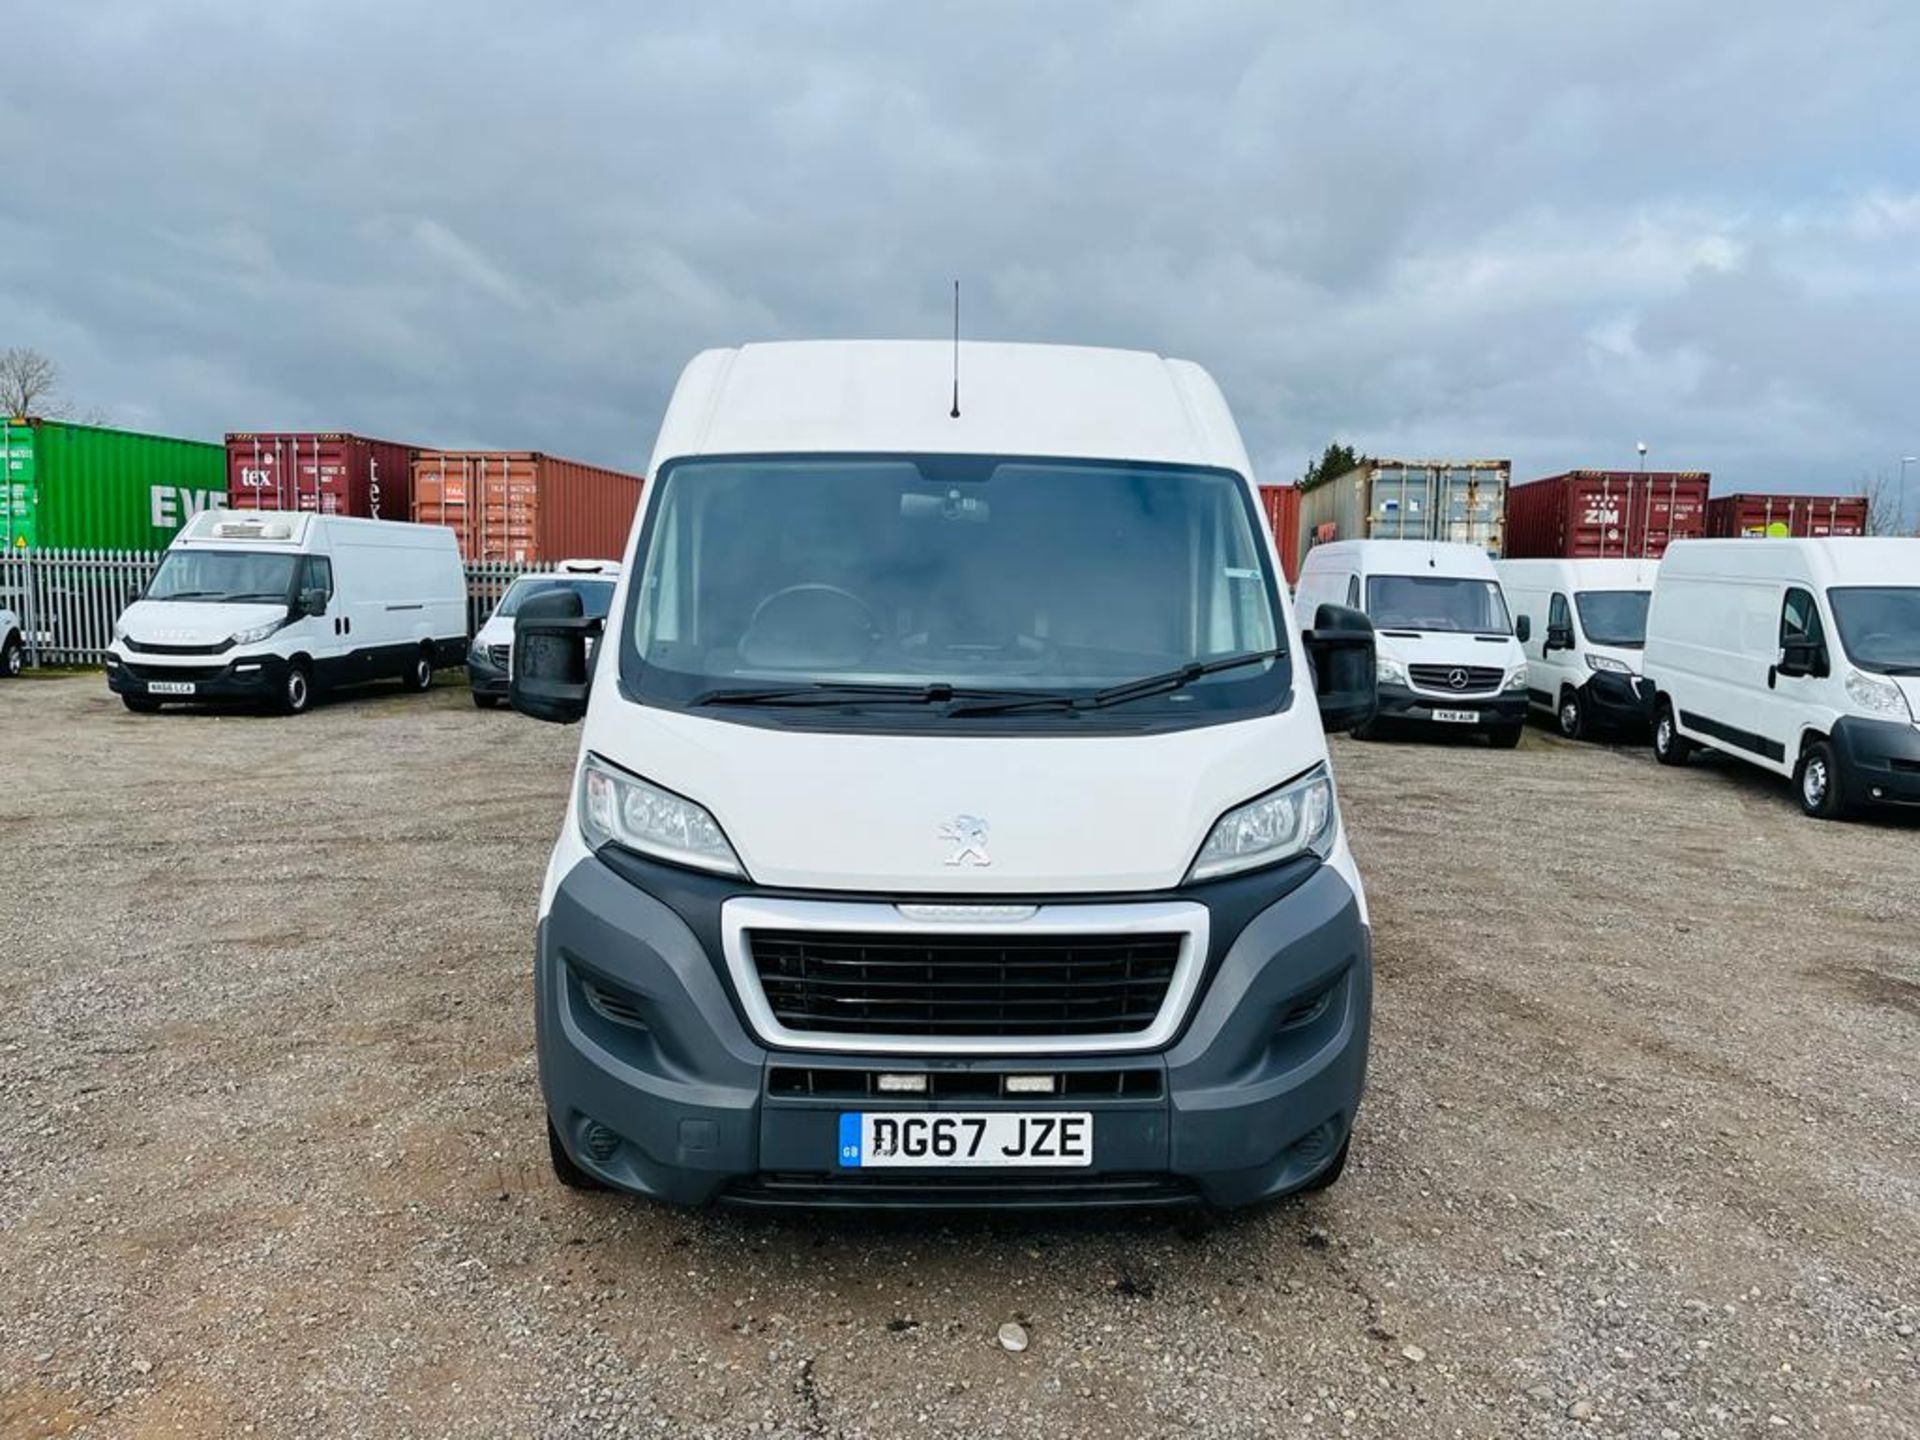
x=13, y=644
x=280, y=606
x=1799, y=656
x=952, y=823
x=1447, y=653
x=490, y=656
x=1582, y=624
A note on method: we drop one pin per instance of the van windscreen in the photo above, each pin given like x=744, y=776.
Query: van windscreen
x=1447, y=603
x=1614, y=617
x=217, y=576
x=900, y=575
x=1879, y=626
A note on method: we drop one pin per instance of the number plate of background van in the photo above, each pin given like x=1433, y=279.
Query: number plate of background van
x=170, y=687
x=943, y=1139
x=1457, y=717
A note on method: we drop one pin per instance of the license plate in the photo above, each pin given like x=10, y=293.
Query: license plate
x=170, y=687
x=957, y=1138
x=1458, y=717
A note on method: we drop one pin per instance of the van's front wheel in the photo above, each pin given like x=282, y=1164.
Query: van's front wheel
x=296, y=690
x=1572, y=715
x=1670, y=747
x=1816, y=781
x=12, y=656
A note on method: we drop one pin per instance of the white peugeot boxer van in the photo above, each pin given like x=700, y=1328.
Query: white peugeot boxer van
x=952, y=823
x=1799, y=656
x=279, y=607
x=1447, y=653
x=1582, y=624
x=490, y=656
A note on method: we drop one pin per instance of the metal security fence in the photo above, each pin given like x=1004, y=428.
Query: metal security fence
x=67, y=600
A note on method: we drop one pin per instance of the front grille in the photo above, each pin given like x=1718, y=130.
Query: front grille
x=142, y=647
x=174, y=672
x=1479, y=678
x=499, y=655
x=953, y=1190
x=963, y=985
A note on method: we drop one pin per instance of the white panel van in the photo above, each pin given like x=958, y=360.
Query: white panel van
x=1799, y=656
x=13, y=644
x=1583, y=624
x=952, y=824
x=490, y=656
x=281, y=606
x=1447, y=654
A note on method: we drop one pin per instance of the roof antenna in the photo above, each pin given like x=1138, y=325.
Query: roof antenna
x=955, y=412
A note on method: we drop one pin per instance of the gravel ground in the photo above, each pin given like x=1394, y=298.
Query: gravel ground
x=1641, y=1154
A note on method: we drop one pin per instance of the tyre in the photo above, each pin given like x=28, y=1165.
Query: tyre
x=420, y=672
x=1572, y=715
x=1816, y=782
x=1325, y=1179
x=564, y=1170
x=140, y=704
x=485, y=702
x=1670, y=747
x=296, y=690
x=1507, y=737
x=12, y=656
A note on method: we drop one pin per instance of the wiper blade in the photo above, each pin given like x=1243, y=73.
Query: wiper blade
x=822, y=692
x=1127, y=690
x=1901, y=670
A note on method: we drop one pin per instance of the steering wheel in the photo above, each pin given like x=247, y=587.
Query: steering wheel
x=810, y=624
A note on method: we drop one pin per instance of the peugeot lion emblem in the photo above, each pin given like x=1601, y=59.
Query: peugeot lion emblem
x=968, y=833
x=1457, y=679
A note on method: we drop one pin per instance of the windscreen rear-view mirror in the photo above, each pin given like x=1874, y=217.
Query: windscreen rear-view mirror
x=1340, y=646
x=550, y=671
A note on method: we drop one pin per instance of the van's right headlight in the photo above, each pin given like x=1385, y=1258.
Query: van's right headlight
x=623, y=809
x=1298, y=818
x=1882, y=697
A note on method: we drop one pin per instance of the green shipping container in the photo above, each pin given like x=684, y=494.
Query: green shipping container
x=81, y=487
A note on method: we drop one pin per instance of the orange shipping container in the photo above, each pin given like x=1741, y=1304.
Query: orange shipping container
x=524, y=507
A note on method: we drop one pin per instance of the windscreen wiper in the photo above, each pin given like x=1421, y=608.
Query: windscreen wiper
x=827, y=692
x=1141, y=689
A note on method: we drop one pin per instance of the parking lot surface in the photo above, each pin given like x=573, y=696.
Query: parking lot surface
x=1640, y=1156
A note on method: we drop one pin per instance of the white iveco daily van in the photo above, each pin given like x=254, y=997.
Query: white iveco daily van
x=1799, y=656
x=1582, y=624
x=279, y=606
x=1447, y=654
x=490, y=656
x=952, y=823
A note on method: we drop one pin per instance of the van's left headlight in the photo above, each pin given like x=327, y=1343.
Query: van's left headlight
x=258, y=632
x=1298, y=818
x=622, y=808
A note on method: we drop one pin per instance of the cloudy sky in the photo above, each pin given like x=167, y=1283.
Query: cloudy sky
x=1537, y=231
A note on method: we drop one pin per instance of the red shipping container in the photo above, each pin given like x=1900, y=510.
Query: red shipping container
x=524, y=507
x=324, y=471
x=1598, y=514
x=1281, y=505
x=1803, y=516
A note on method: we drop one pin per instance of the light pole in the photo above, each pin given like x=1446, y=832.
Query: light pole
x=1642, y=448
x=1900, y=518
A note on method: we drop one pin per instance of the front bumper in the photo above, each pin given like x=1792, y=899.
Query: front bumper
x=1504, y=710
x=1624, y=702
x=1878, y=760
x=678, y=1100
x=243, y=677
x=486, y=678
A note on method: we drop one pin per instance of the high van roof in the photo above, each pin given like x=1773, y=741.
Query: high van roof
x=1584, y=573
x=1402, y=557
x=878, y=396
x=1841, y=560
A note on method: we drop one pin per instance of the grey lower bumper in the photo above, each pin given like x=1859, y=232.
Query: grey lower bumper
x=655, y=1085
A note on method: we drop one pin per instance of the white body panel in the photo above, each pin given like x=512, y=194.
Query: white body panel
x=1714, y=632
x=864, y=811
x=1531, y=586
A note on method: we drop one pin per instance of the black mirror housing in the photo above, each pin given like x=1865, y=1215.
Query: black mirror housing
x=311, y=602
x=1799, y=658
x=550, y=675
x=1559, y=637
x=1341, y=647
x=1523, y=629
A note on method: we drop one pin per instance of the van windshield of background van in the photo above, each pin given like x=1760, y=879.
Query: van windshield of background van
x=217, y=576
x=909, y=586
x=596, y=596
x=1614, y=617
x=1447, y=603
x=1879, y=626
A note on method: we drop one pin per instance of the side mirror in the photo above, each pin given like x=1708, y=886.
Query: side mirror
x=1803, y=658
x=550, y=674
x=1340, y=646
x=1523, y=629
x=1559, y=637
x=312, y=602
